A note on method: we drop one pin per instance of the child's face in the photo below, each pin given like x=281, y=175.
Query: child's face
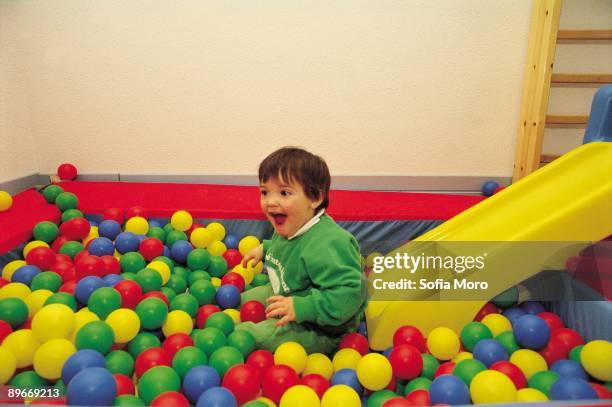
x=286, y=205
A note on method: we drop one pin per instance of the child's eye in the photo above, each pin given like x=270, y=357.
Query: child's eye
x=263, y=193
x=285, y=193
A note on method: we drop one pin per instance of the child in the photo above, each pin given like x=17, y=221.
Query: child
x=316, y=293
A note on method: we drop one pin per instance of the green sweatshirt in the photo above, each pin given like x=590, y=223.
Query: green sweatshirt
x=321, y=270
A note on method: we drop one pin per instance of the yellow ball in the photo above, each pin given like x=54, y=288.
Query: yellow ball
x=340, y=395
x=596, y=358
x=215, y=281
x=443, y=343
x=125, y=324
x=36, y=299
x=346, y=358
x=300, y=396
x=33, y=244
x=497, y=323
x=138, y=225
x=16, y=290
x=491, y=386
x=178, y=321
x=50, y=357
x=374, y=371
x=318, y=363
x=181, y=220
x=529, y=395
x=200, y=238
x=9, y=269
x=462, y=356
x=530, y=362
x=234, y=314
x=246, y=273
x=6, y=201
x=22, y=344
x=216, y=248
x=216, y=230
x=81, y=318
x=291, y=354
x=53, y=321
x=8, y=365
x=247, y=243
x=162, y=268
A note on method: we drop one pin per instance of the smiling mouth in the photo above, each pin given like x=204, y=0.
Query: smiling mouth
x=279, y=219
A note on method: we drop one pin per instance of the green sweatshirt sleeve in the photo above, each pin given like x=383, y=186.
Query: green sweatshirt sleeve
x=335, y=270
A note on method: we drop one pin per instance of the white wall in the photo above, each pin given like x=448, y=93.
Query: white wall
x=377, y=87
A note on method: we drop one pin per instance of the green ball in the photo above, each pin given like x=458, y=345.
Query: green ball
x=260, y=279
x=45, y=231
x=129, y=276
x=209, y=339
x=47, y=280
x=71, y=248
x=217, y=266
x=198, y=259
x=575, y=354
x=177, y=284
x=182, y=272
x=508, y=341
x=71, y=214
x=244, y=341
x=14, y=311
x=203, y=291
x=168, y=292
x=149, y=280
x=417, y=384
x=186, y=358
x=152, y=313
x=157, y=380
x=168, y=228
x=119, y=361
x=255, y=403
x=103, y=301
x=62, y=298
x=157, y=233
x=224, y=358
x=507, y=299
x=197, y=276
x=51, y=192
x=543, y=381
x=166, y=260
x=222, y=321
x=378, y=398
x=96, y=335
x=28, y=380
x=175, y=236
x=128, y=400
x=473, y=333
x=467, y=369
x=61, y=386
x=66, y=200
x=185, y=302
x=430, y=365
x=132, y=262
x=142, y=342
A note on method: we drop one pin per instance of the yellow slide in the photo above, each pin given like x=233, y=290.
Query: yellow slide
x=569, y=199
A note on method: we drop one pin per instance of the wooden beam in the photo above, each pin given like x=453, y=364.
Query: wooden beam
x=566, y=119
x=584, y=35
x=581, y=78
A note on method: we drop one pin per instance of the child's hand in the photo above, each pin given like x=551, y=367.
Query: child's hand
x=255, y=254
x=281, y=306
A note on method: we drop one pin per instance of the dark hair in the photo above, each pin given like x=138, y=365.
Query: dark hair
x=298, y=165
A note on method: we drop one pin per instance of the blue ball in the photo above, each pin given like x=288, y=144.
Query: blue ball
x=228, y=296
x=489, y=187
x=449, y=389
x=154, y=224
x=180, y=249
x=93, y=386
x=127, y=242
x=166, y=251
x=25, y=274
x=531, y=332
x=101, y=246
x=489, y=351
x=363, y=329
x=513, y=314
x=217, y=397
x=81, y=359
x=109, y=228
x=569, y=368
x=348, y=377
x=141, y=238
x=532, y=307
x=572, y=389
x=93, y=223
x=231, y=241
x=86, y=286
x=199, y=379
x=112, y=279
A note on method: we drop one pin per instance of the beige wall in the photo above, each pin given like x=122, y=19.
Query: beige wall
x=210, y=87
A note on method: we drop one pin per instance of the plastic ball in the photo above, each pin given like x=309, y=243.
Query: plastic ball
x=151, y=248
x=489, y=187
x=50, y=357
x=277, y=379
x=512, y=371
x=197, y=259
x=217, y=230
x=217, y=266
x=170, y=398
x=216, y=248
x=406, y=362
x=96, y=335
x=137, y=225
x=489, y=351
x=228, y=296
x=181, y=220
x=262, y=360
x=101, y=246
x=51, y=192
x=8, y=365
x=162, y=268
x=552, y=320
x=497, y=323
x=67, y=172
x=513, y=314
x=491, y=386
x=79, y=360
x=569, y=368
x=374, y=371
x=63, y=298
x=134, y=211
x=346, y=358
x=31, y=245
x=474, y=332
x=356, y=341
x=529, y=395
x=244, y=381
x=531, y=332
x=467, y=369
x=217, y=397
x=201, y=238
x=93, y=386
x=232, y=257
x=543, y=381
x=247, y=243
x=300, y=396
x=180, y=250
x=291, y=354
x=187, y=358
x=443, y=343
x=157, y=380
x=130, y=292
x=532, y=307
x=149, y=358
x=430, y=365
x=448, y=389
x=224, y=358
x=595, y=357
x=245, y=272
x=46, y=231
x=16, y=290
x=176, y=342
x=198, y=380
x=316, y=382
x=349, y=378
x=124, y=384
x=10, y=268
x=177, y=322
x=253, y=311
x=243, y=341
x=529, y=361
x=14, y=311
x=221, y=321
x=409, y=335
x=152, y=313
x=103, y=301
x=124, y=323
x=53, y=321
x=575, y=353
x=6, y=201
x=86, y=286
x=572, y=389
x=127, y=242
x=552, y=352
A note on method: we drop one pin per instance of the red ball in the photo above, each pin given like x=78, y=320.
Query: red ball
x=150, y=358
x=131, y=293
x=111, y=265
x=234, y=279
x=42, y=257
x=409, y=335
x=157, y=294
x=62, y=258
x=512, y=371
x=176, y=342
x=392, y=384
x=67, y=172
x=244, y=381
x=277, y=380
x=567, y=338
x=397, y=402
x=419, y=398
x=406, y=361
x=115, y=214
x=150, y=248
x=136, y=211
x=488, y=308
x=316, y=382
x=75, y=229
x=5, y=330
x=252, y=311
x=79, y=256
x=27, y=324
x=125, y=385
x=553, y=352
x=58, y=242
x=552, y=320
x=68, y=287
x=90, y=266
x=356, y=341
x=3, y=282
x=65, y=270
x=233, y=258
x=204, y=312
x=445, y=368
x=170, y=399
x=261, y=359
x=602, y=391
